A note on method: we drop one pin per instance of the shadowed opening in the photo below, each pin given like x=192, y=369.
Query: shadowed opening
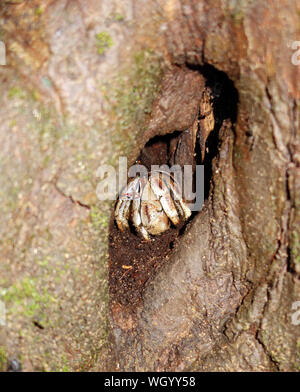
x=134, y=260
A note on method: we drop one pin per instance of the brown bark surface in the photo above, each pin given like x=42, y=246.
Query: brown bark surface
x=224, y=298
x=82, y=87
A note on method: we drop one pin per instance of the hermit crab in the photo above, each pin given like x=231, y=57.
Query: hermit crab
x=151, y=204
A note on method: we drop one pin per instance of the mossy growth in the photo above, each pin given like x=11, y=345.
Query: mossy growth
x=3, y=359
x=64, y=365
x=16, y=92
x=131, y=100
x=26, y=296
x=103, y=42
x=39, y=11
x=296, y=247
x=100, y=218
x=118, y=17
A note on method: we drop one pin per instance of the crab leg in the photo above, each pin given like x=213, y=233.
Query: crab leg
x=122, y=210
x=178, y=201
x=136, y=210
x=137, y=220
x=122, y=213
x=162, y=192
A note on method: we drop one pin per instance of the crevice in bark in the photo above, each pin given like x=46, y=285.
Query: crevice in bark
x=225, y=104
x=143, y=258
x=282, y=149
x=288, y=224
x=290, y=193
x=70, y=197
x=259, y=329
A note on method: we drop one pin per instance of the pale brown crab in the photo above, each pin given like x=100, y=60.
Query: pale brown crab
x=152, y=204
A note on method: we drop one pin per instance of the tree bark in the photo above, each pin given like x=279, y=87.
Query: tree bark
x=220, y=294
x=225, y=298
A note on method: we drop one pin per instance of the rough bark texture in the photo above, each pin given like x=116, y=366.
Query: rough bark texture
x=224, y=300
x=78, y=89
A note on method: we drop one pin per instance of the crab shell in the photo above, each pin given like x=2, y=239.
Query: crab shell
x=151, y=205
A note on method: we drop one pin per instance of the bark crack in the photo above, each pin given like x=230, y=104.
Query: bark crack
x=265, y=349
x=70, y=197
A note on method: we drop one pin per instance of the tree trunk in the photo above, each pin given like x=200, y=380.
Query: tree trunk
x=220, y=293
x=224, y=295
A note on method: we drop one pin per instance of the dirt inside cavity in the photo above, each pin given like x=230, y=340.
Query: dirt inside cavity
x=134, y=260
